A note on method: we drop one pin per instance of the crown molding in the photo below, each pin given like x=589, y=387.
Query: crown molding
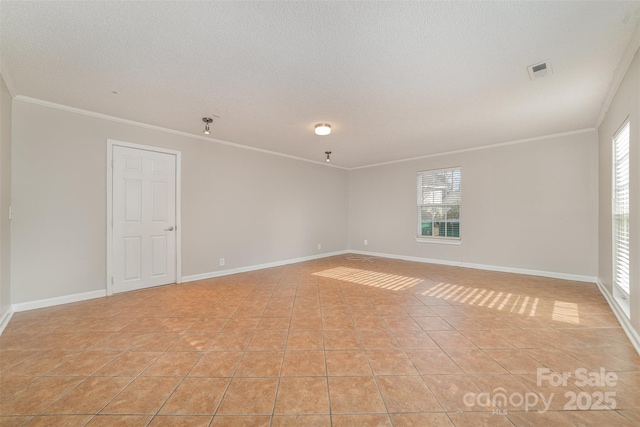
x=621, y=71
x=484, y=147
x=275, y=153
x=165, y=130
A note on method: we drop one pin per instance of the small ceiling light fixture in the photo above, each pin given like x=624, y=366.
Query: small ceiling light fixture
x=328, y=153
x=207, y=120
x=323, y=129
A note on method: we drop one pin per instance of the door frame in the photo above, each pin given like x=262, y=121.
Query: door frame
x=110, y=144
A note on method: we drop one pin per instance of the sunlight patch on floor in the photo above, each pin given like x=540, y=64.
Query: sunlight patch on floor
x=525, y=305
x=370, y=278
x=501, y=301
x=566, y=312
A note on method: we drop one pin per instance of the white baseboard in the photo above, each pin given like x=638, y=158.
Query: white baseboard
x=228, y=272
x=632, y=334
x=551, y=274
x=4, y=319
x=554, y=275
x=31, y=305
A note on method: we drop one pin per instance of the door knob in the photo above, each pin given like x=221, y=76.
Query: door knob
x=168, y=229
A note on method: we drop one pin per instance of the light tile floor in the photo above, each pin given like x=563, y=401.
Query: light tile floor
x=335, y=341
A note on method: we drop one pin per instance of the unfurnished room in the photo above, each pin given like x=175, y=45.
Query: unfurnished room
x=319, y=213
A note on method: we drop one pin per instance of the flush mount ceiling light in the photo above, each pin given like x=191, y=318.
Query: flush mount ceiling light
x=328, y=153
x=323, y=129
x=207, y=120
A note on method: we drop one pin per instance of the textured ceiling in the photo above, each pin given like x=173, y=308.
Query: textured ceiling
x=395, y=79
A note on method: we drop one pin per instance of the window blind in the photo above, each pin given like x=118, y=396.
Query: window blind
x=621, y=209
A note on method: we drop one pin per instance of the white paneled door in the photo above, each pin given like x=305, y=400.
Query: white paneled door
x=144, y=218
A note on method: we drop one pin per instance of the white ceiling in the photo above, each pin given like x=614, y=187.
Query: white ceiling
x=395, y=79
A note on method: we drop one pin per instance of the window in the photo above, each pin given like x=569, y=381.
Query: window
x=439, y=204
x=621, y=210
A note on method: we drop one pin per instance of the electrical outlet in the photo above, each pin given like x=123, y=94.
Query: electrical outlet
x=366, y=242
x=221, y=262
x=319, y=246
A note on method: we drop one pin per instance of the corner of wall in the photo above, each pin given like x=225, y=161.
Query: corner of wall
x=4, y=319
x=620, y=74
x=632, y=334
x=622, y=103
x=5, y=202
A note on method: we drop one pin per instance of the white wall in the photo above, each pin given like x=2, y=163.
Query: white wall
x=246, y=206
x=5, y=197
x=529, y=206
x=625, y=104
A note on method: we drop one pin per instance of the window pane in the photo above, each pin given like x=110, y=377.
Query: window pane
x=621, y=209
x=426, y=221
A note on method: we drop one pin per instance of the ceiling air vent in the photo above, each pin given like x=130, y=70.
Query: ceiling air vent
x=540, y=69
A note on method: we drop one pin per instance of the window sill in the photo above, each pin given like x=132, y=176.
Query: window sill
x=441, y=241
x=624, y=305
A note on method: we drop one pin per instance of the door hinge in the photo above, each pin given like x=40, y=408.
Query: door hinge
x=112, y=280
x=112, y=163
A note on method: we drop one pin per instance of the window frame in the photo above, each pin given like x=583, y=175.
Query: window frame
x=450, y=240
x=620, y=292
